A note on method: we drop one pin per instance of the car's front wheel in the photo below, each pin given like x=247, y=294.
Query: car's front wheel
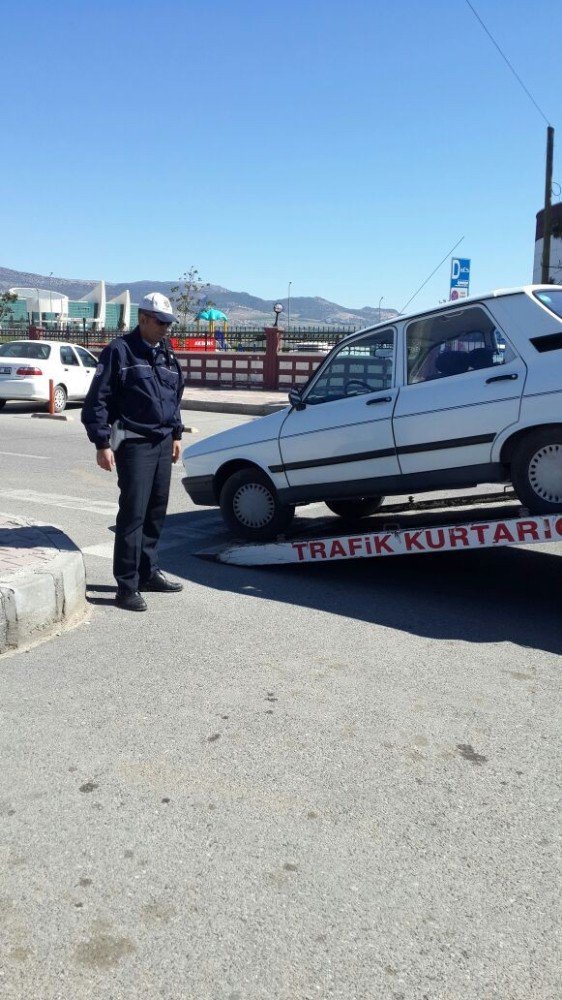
x=536, y=471
x=60, y=398
x=250, y=507
x=351, y=510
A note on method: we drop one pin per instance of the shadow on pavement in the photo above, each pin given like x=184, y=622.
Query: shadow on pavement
x=500, y=595
x=100, y=588
x=25, y=406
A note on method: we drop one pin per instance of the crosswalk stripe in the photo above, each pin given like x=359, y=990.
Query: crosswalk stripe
x=103, y=507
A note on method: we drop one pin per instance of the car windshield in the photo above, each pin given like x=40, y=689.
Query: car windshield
x=25, y=349
x=552, y=301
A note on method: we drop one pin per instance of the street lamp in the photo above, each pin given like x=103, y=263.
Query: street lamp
x=277, y=309
x=289, y=306
x=380, y=302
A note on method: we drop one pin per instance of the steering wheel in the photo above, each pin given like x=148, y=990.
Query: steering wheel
x=359, y=383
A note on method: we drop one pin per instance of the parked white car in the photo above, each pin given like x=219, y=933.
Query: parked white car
x=465, y=394
x=26, y=366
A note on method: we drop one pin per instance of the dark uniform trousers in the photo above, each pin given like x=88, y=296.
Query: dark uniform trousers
x=143, y=473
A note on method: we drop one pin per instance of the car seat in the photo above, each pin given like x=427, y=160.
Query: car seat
x=452, y=362
x=481, y=357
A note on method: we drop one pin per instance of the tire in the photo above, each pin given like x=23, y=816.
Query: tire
x=60, y=399
x=3, y=403
x=250, y=507
x=536, y=471
x=352, y=510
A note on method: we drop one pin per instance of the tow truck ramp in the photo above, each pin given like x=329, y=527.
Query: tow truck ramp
x=414, y=533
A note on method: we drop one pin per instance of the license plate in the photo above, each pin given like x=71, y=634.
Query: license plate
x=5, y=371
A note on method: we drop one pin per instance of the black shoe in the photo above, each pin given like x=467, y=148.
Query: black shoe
x=159, y=583
x=130, y=600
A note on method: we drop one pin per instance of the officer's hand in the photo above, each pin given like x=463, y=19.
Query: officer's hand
x=105, y=459
x=176, y=451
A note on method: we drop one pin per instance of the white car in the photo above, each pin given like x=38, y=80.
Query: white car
x=26, y=366
x=464, y=394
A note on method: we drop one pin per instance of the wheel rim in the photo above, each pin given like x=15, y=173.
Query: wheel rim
x=60, y=399
x=545, y=473
x=253, y=505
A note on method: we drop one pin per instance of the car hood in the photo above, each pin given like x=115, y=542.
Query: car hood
x=262, y=429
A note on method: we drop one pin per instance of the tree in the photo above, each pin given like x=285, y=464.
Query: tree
x=187, y=293
x=6, y=301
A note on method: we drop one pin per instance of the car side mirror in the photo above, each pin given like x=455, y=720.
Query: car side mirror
x=295, y=398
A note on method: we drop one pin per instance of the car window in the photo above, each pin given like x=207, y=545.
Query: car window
x=68, y=356
x=86, y=358
x=361, y=367
x=552, y=301
x=453, y=343
x=25, y=349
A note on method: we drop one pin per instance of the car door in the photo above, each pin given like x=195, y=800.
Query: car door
x=463, y=385
x=72, y=374
x=340, y=439
x=89, y=365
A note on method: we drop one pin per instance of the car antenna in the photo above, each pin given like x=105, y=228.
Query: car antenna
x=449, y=252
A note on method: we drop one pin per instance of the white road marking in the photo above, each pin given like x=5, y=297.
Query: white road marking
x=105, y=549
x=18, y=454
x=103, y=507
x=170, y=540
x=102, y=551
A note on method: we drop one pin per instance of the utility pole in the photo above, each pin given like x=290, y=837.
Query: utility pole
x=547, y=217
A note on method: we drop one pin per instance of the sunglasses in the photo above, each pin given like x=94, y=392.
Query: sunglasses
x=161, y=322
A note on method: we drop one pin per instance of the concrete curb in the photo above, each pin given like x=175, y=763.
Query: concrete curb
x=252, y=409
x=38, y=600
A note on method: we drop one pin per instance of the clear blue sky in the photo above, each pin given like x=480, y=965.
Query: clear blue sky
x=342, y=146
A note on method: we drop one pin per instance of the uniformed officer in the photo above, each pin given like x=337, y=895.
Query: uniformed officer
x=132, y=415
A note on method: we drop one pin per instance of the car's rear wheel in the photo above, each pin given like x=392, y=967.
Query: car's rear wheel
x=351, y=510
x=536, y=471
x=60, y=398
x=250, y=507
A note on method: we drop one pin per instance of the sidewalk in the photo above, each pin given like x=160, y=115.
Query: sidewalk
x=254, y=402
x=42, y=581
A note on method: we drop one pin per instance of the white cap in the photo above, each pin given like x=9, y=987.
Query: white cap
x=159, y=306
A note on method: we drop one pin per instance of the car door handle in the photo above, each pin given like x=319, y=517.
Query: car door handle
x=379, y=399
x=502, y=378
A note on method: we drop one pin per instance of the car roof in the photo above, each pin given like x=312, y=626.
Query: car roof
x=47, y=343
x=457, y=304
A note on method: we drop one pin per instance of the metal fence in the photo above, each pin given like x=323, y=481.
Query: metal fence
x=315, y=339
x=87, y=338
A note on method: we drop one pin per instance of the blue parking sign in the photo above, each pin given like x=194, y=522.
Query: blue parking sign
x=460, y=277
x=460, y=272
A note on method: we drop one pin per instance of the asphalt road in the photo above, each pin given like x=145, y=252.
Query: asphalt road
x=337, y=782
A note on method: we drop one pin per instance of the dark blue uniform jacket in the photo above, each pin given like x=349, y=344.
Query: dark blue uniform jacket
x=137, y=384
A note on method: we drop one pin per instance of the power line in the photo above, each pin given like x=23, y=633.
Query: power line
x=432, y=273
x=504, y=57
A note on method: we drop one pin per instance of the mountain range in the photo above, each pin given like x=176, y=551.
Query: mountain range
x=241, y=308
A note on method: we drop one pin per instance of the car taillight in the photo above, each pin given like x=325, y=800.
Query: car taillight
x=29, y=371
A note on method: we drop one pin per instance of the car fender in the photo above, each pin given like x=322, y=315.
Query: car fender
x=255, y=443
x=261, y=455
x=517, y=430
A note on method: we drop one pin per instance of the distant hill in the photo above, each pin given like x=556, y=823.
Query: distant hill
x=240, y=307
